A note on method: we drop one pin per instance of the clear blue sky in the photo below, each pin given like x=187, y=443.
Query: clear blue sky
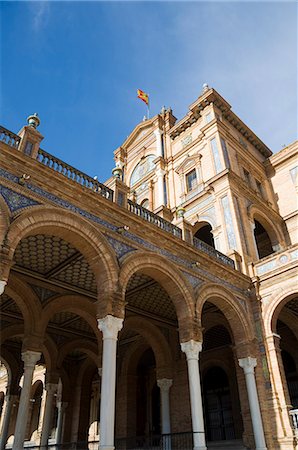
x=78, y=64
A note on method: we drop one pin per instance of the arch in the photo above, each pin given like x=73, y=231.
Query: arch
x=75, y=229
x=156, y=340
x=164, y=272
x=203, y=231
x=87, y=347
x=277, y=302
x=274, y=231
x=11, y=331
x=27, y=301
x=72, y=303
x=235, y=313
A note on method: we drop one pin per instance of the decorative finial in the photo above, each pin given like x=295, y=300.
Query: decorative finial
x=205, y=88
x=163, y=110
x=144, y=119
x=33, y=120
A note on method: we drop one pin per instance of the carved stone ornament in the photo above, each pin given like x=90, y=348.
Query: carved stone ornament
x=191, y=349
x=248, y=364
x=2, y=286
x=164, y=384
x=110, y=326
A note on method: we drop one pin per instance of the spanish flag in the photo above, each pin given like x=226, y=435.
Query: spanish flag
x=143, y=96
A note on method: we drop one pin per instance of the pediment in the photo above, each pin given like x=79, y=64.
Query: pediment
x=189, y=162
x=140, y=131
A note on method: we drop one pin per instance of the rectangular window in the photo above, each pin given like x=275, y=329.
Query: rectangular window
x=260, y=188
x=216, y=157
x=191, y=180
x=246, y=176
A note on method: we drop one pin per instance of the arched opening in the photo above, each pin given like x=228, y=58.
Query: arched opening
x=221, y=402
x=204, y=233
x=148, y=398
x=263, y=241
x=218, y=405
x=34, y=410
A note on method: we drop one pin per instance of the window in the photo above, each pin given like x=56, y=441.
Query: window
x=246, y=176
x=191, y=180
x=260, y=188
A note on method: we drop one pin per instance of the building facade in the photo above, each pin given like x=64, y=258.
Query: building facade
x=158, y=310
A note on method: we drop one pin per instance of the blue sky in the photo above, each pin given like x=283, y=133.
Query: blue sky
x=78, y=64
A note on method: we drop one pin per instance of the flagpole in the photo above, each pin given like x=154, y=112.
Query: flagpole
x=148, y=110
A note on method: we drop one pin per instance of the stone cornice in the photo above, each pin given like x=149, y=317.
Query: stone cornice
x=213, y=97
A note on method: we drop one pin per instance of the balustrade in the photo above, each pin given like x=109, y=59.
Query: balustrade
x=73, y=174
x=11, y=139
x=150, y=217
x=200, y=245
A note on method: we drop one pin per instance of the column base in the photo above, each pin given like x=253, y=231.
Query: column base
x=106, y=447
x=200, y=448
x=261, y=448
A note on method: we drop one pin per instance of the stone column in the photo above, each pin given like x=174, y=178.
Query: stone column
x=110, y=326
x=158, y=135
x=248, y=364
x=160, y=187
x=192, y=349
x=51, y=389
x=30, y=358
x=164, y=384
x=9, y=401
x=60, y=420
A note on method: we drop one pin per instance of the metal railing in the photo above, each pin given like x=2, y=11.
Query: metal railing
x=174, y=441
x=200, y=245
x=74, y=174
x=150, y=217
x=294, y=416
x=11, y=139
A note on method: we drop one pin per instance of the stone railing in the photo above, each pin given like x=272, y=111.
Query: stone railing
x=276, y=260
x=200, y=245
x=73, y=174
x=9, y=138
x=294, y=415
x=150, y=217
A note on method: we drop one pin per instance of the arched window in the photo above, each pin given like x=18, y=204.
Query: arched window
x=145, y=203
x=263, y=241
x=205, y=235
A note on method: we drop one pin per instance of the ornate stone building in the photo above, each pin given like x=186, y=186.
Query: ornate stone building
x=158, y=310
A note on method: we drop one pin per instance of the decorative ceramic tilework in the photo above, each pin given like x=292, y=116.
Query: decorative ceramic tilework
x=53, y=198
x=229, y=222
x=16, y=201
x=195, y=282
x=119, y=247
x=216, y=156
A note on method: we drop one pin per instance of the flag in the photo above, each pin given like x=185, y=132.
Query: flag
x=143, y=96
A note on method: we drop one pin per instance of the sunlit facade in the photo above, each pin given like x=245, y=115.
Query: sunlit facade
x=158, y=310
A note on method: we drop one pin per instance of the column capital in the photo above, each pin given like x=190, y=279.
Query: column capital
x=100, y=371
x=30, y=358
x=248, y=364
x=191, y=349
x=110, y=326
x=164, y=384
x=2, y=286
